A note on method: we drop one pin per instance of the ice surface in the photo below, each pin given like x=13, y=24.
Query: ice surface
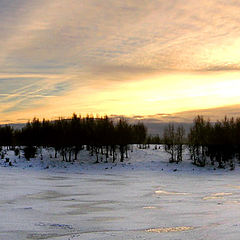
x=143, y=198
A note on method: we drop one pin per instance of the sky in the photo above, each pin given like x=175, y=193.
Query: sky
x=134, y=57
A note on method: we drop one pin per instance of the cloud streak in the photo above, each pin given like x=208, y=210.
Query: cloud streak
x=62, y=49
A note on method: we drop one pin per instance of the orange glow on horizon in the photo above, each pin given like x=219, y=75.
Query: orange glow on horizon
x=147, y=96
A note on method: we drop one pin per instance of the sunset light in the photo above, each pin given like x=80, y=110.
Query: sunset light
x=60, y=57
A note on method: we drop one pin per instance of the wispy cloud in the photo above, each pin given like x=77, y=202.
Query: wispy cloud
x=160, y=35
x=26, y=93
x=61, y=48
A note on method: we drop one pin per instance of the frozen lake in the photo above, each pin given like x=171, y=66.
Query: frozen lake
x=126, y=205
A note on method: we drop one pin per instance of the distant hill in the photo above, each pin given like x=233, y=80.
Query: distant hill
x=153, y=127
x=157, y=122
x=16, y=125
x=158, y=128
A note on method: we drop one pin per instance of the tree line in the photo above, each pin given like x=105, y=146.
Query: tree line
x=215, y=143
x=100, y=136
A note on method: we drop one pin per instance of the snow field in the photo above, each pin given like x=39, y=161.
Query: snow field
x=143, y=198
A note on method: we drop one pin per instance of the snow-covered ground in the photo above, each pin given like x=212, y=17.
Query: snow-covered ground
x=142, y=198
